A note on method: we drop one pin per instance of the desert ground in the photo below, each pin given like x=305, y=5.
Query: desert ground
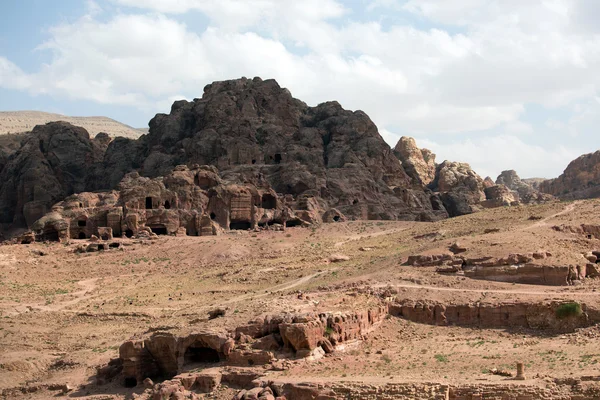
x=64, y=314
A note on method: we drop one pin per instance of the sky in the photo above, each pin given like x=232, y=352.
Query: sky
x=500, y=84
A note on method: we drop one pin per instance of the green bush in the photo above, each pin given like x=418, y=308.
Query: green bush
x=566, y=310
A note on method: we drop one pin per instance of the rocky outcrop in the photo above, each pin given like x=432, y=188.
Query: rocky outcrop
x=164, y=355
x=527, y=194
x=253, y=131
x=538, y=316
x=514, y=268
x=195, y=201
x=499, y=196
x=461, y=189
x=419, y=164
x=53, y=162
x=580, y=180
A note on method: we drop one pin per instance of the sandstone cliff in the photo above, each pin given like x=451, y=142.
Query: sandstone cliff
x=526, y=192
x=53, y=162
x=253, y=131
x=419, y=164
x=581, y=179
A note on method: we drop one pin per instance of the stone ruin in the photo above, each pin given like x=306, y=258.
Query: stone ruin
x=164, y=355
x=514, y=268
x=194, y=202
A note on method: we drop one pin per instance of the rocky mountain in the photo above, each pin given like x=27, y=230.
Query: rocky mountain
x=253, y=131
x=526, y=192
x=581, y=179
x=54, y=161
x=12, y=122
x=323, y=163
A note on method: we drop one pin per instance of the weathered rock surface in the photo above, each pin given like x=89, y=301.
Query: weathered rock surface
x=419, y=164
x=195, y=201
x=580, y=180
x=461, y=189
x=253, y=131
x=164, y=355
x=526, y=193
x=539, y=316
x=53, y=162
x=499, y=196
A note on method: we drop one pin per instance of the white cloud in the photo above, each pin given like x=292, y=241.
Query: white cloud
x=489, y=156
x=428, y=82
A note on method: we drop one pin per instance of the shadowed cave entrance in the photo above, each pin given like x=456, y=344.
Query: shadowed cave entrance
x=159, y=229
x=50, y=235
x=240, y=225
x=197, y=353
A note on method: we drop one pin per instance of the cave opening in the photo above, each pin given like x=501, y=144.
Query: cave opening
x=198, y=354
x=213, y=216
x=129, y=233
x=269, y=201
x=148, y=203
x=336, y=218
x=159, y=229
x=240, y=225
x=130, y=382
x=167, y=205
x=50, y=234
x=82, y=235
x=293, y=222
x=277, y=158
x=204, y=182
x=81, y=222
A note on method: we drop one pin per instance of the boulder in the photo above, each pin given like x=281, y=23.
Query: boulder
x=419, y=164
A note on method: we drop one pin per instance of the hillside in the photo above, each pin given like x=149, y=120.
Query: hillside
x=25, y=121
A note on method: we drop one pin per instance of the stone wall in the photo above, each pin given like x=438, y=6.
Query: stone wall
x=539, y=316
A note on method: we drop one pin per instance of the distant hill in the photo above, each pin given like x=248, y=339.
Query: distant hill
x=24, y=121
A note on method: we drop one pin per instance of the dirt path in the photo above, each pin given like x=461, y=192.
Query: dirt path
x=544, y=222
x=368, y=235
x=276, y=289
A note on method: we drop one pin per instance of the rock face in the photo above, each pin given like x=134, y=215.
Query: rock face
x=419, y=164
x=539, y=316
x=461, y=189
x=499, y=196
x=53, y=162
x=253, y=131
x=526, y=193
x=581, y=179
x=164, y=355
x=196, y=201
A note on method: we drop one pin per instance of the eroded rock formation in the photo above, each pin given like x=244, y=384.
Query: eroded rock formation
x=419, y=164
x=580, y=180
x=539, y=316
x=192, y=201
x=527, y=194
x=252, y=130
x=53, y=162
x=164, y=355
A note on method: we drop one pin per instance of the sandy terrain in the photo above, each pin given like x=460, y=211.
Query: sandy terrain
x=63, y=314
x=25, y=121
